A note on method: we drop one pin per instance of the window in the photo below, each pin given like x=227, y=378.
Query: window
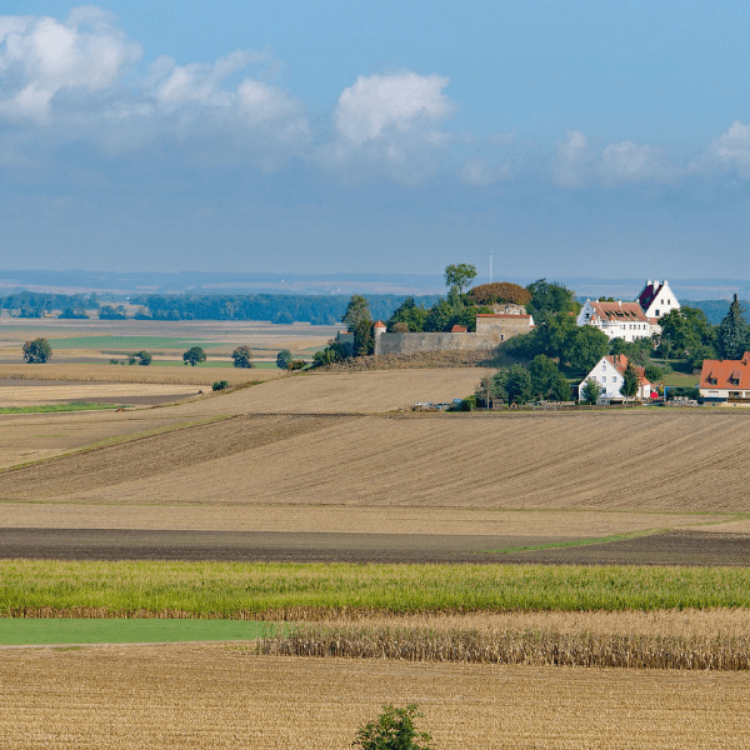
x=656, y=312
x=614, y=378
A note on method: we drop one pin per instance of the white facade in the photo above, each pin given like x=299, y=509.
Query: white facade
x=624, y=320
x=657, y=299
x=610, y=379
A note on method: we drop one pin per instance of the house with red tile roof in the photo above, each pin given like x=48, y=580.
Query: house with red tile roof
x=623, y=320
x=725, y=380
x=609, y=373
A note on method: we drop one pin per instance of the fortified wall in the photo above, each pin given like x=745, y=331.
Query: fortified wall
x=492, y=330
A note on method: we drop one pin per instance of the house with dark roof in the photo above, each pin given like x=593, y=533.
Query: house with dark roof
x=726, y=380
x=609, y=374
x=656, y=300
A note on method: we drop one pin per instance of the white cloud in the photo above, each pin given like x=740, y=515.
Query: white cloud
x=628, y=162
x=732, y=148
x=570, y=165
x=41, y=57
x=479, y=173
x=378, y=105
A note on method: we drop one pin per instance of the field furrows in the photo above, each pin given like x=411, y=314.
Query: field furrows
x=186, y=449
x=219, y=697
x=594, y=461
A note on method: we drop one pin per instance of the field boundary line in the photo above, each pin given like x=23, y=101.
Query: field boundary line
x=120, y=439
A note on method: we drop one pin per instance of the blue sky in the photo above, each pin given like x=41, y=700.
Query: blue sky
x=570, y=138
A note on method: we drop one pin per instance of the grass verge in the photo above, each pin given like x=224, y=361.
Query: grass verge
x=47, y=408
x=46, y=588
x=78, y=631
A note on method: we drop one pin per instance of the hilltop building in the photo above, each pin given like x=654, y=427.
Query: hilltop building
x=631, y=320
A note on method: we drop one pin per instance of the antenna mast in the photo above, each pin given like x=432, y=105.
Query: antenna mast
x=490, y=266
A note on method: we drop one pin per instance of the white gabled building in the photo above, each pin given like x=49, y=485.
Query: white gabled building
x=656, y=300
x=623, y=320
x=609, y=374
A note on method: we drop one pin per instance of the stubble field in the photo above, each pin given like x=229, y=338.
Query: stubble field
x=219, y=697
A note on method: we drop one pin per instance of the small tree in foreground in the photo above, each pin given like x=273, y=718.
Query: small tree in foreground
x=393, y=730
x=591, y=392
x=242, y=357
x=631, y=381
x=194, y=355
x=37, y=351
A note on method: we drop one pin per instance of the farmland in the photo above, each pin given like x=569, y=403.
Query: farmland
x=530, y=538
x=216, y=696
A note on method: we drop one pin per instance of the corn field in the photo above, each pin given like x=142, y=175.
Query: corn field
x=530, y=648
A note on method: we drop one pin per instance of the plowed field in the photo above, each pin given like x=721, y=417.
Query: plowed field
x=219, y=697
x=648, y=460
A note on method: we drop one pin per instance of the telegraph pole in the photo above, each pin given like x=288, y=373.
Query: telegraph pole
x=490, y=266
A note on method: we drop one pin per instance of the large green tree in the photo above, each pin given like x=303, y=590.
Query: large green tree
x=460, y=275
x=733, y=332
x=283, y=358
x=684, y=331
x=37, y=351
x=548, y=297
x=518, y=385
x=588, y=346
x=409, y=313
x=544, y=374
x=359, y=322
x=243, y=357
x=194, y=355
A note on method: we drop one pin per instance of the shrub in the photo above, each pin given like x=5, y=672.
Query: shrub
x=194, y=355
x=283, y=358
x=37, y=351
x=469, y=404
x=393, y=730
x=297, y=364
x=220, y=385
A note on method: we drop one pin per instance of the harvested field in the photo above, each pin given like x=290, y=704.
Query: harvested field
x=218, y=697
x=668, y=461
x=120, y=393
x=674, y=548
x=104, y=373
x=541, y=525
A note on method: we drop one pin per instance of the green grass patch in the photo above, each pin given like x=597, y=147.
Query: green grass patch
x=45, y=408
x=227, y=589
x=209, y=364
x=128, y=344
x=575, y=543
x=17, y=632
x=680, y=379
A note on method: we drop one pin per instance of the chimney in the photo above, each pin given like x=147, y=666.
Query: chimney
x=649, y=283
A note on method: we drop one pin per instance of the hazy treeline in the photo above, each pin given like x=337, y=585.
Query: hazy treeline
x=278, y=308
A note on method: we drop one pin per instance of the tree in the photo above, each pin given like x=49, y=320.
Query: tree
x=518, y=385
x=589, y=345
x=37, y=351
x=193, y=356
x=283, y=358
x=142, y=357
x=560, y=390
x=243, y=357
x=460, y=275
x=499, y=291
x=393, y=730
x=544, y=373
x=631, y=381
x=550, y=298
x=684, y=332
x=733, y=332
x=408, y=314
x=591, y=391
x=357, y=311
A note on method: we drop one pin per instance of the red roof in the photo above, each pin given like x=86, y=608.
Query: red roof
x=459, y=329
x=723, y=371
x=618, y=311
x=379, y=324
x=620, y=363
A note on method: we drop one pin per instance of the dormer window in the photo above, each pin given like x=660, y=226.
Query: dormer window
x=734, y=381
x=712, y=381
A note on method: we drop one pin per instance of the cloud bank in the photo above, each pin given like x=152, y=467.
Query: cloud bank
x=82, y=79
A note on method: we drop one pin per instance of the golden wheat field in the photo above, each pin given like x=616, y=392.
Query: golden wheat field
x=124, y=393
x=214, y=696
x=666, y=461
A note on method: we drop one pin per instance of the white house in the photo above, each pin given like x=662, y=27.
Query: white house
x=624, y=320
x=608, y=373
x=656, y=300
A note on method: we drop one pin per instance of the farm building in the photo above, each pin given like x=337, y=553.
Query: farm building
x=609, y=374
x=726, y=380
